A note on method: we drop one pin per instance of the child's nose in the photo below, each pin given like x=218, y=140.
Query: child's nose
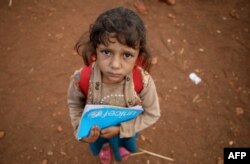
x=115, y=62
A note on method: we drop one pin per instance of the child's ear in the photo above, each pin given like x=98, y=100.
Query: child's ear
x=93, y=57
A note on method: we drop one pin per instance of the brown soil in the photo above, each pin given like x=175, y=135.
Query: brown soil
x=210, y=38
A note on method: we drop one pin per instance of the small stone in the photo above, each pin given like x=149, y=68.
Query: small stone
x=171, y=2
x=63, y=153
x=239, y=111
x=140, y=7
x=197, y=70
x=234, y=14
x=201, y=50
x=218, y=31
x=182, y=51
x=231, y=143
x=196, y=98
x=171, y=16
x=2, y=134
x=220, y=160
x=143, y=138
x=45, y=161
x=59, y=128
x=59, y=36
x=50, y=153
x=154, y=60
x=224, y=18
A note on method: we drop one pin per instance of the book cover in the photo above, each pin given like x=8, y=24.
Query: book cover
x=104, y=116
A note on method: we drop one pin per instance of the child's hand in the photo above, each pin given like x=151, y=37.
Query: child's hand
x=94, y=135
x=110, y=132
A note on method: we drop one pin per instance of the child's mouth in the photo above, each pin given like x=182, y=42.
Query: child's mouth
x=114, y=74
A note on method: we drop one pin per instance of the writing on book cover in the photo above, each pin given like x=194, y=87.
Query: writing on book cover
x=104, y=116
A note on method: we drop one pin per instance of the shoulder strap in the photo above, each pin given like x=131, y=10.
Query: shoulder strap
x=137, y=79
x=84, y=80
x=85, y=77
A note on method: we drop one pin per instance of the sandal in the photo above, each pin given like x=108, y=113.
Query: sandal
x=105, y=155
x=124, y=153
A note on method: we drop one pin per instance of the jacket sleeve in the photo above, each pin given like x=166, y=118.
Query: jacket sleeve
x=75, y=100
x=151, y=114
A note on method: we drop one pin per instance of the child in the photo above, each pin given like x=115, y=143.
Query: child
x=115, y=49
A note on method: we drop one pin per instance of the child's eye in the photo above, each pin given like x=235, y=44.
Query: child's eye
x=127, y=56
x=105, y=52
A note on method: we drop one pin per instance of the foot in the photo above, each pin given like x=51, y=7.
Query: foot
x=105, y=155
x=124, y=153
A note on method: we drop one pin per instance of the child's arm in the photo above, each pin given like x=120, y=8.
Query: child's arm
x=75, y=100
x=151, y=114
x=110, y=132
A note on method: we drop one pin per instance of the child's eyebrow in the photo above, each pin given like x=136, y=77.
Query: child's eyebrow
x=130, y=51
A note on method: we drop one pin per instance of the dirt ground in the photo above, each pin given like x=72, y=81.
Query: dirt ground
x=210, y=38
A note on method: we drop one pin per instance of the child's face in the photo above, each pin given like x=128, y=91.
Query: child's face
x=115, y=60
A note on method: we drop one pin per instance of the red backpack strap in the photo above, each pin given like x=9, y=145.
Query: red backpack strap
x=137, y=79
x=84, y=79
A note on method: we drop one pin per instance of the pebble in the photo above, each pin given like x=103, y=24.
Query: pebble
x=196, y=98
x=171, y=16
x=59, y=128
x=59, y=36
x=63, y=153
x=50, y=153
x=224, y=18
x=2, y=134
x=234, y=14
x=143, y=138
x=239, y=111
x=140, y=7
x=45, y=161
x=171, y=2
x=154, y=60
x=220, y=161
x=201, y=50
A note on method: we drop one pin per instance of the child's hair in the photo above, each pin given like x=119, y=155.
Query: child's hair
x=128, y=28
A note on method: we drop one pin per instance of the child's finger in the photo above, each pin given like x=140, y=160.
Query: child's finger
x=104, y=131
x=96, y=131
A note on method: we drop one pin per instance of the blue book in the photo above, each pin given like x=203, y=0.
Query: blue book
x=105, y=116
